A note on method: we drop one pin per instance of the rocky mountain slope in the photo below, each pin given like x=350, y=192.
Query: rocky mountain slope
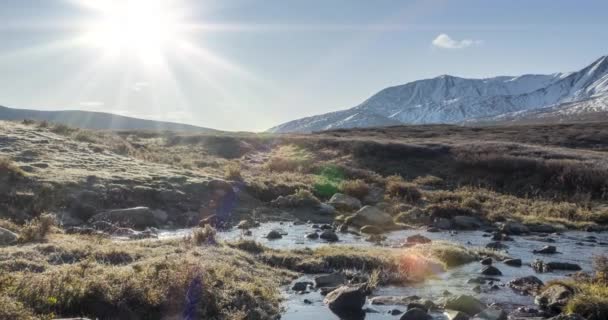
x=449, y=99
x=96, y=120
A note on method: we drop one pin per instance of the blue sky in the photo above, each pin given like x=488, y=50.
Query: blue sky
x=249, y=65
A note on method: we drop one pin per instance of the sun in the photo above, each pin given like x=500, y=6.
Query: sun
x=143, y=29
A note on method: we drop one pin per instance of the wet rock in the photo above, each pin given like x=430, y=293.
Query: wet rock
x=465, y=303
x=329, y=280
x=490, y=271
x=466, y=223
x=326, y=209
x=513, y=262
x=416, y=314
x=7, y=237
x=312, y=235
x=375, y=238
x=526, y=285
x=541, y=228
x=395, y=312
x=554, y=297
x=546, y=250
x=491, y=313
x=523, y=313
x=496, y=246
x=477, y=289
x=486, y=261
x=274, y=234
x=343, y=228
x=346, y=300
x=306, y=301
x=137, y=217
x=433, y=229
x=344, y=202
x=246, y=224
x=394, y=300
x=301, y=286
x=371, y=230
x=247, y=233
x=455, y=315
x=329, y=235
x=514, y=228
x=499, y=236
x=443, y=223
x=371, y=215
x=541, y=266
x=418, y=239
x=123, y=232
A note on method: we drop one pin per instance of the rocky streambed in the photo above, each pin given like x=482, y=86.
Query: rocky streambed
x=572, y=249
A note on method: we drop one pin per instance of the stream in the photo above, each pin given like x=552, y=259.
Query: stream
x=572, y=246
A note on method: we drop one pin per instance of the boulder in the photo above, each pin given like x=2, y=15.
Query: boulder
x=490, y=271
x=416, y=314
x=486, y=261
x=344, y=202
x=513, y=262
x=497, y=246
x=418, y=238
x=491, y=313
x=514, y=228
x=554, y=297
x=346, y=300
x=329, y=280
x=325, y=209
x=555, y=265
x=466, y=222
x=526, y=285
x=371, y=230
x=371, y=215
x=300, y=286
x=443, y=223
x=466, y=304
x=312, y=235
x=455, y=315
x=329, y=235
x=541, y=228
x=7, y=237
x=546, y=250
x=137, y=217
x=274, y=234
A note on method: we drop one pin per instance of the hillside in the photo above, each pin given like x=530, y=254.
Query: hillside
x=95, y=120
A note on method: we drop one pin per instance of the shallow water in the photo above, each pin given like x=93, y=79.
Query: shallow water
x=572, y=247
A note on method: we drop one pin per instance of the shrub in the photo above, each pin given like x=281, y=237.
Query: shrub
x=85, y=136
x=429, y=180
x=38, y=229
x=232, y=172
x=204, y=235
x=9, y=171
x=14, y=310
x=62, y=129
x=590, y=301
x=356, y=188
x=397, y=188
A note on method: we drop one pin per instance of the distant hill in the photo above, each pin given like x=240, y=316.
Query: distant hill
x=568, y=96
x=96, y=120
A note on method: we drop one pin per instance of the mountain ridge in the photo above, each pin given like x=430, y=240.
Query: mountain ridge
x=451, y=99
x=96, y=120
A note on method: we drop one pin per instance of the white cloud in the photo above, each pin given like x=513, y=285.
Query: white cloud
x=91, y=104
x=445, y=42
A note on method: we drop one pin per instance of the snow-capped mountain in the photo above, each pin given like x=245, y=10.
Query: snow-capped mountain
x=449, y=99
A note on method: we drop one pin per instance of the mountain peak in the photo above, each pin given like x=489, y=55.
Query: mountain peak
x=450, y=99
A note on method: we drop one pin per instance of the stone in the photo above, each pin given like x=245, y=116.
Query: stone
x=395, y=312
x=138, y=217
x=325, y=209
x=371, y=230
x=526, y=285
x=245, y=224
x=346, y=300
x=486, y=261
x=329, y=235
x=546, y=250
x=455, y=315
x=7, y=237
x=513, y=262
x=490, y=271
x=418, y=239
x=418, y=305
x=496, y=246
x=312, y=235
x=555, y=265
x=466, y=223
x=371, y=215
x=329, y=280
x=274, y=234
x=443, y=223
x=301, y=286
x=465, y=303
x=415, y=314
x=541, y=228
x=344, y=202
x=491, y=313
x=514, y=228
x=554, y=297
